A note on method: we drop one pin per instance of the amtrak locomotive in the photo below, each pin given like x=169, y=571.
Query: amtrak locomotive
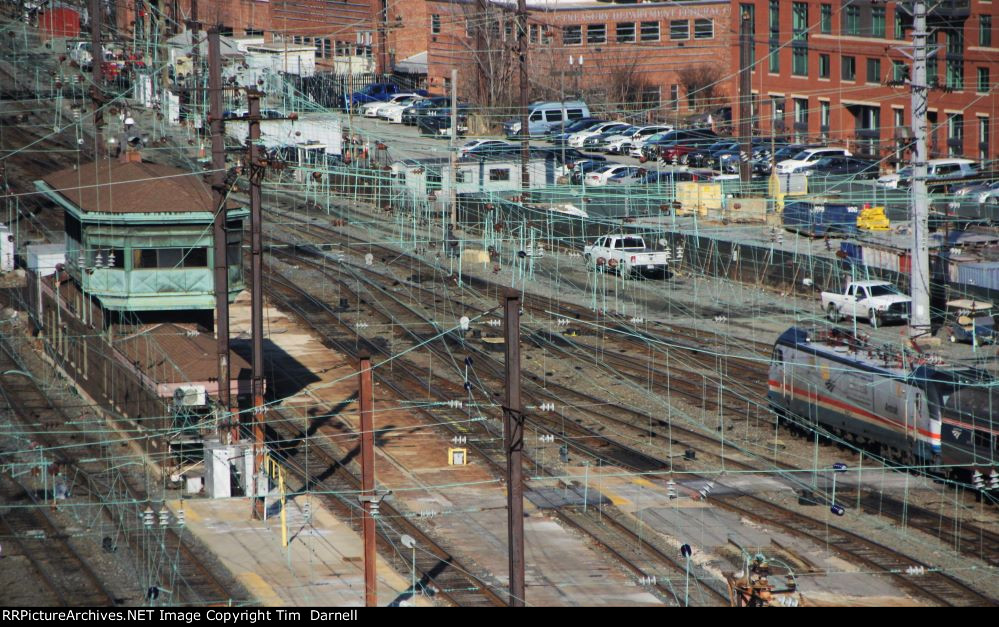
x=909, y=407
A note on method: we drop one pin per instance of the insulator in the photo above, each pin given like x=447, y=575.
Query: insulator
x=671, y=489
x=495, y=323
x=993, y=480
x=369, y=259
x=164, y=517
x=454, y=404
x=647, y=581
x=148, y=516
x=459, y=439
x=180, y=518
x=637, y=320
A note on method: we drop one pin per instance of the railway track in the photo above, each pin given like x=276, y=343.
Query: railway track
x=887, y=556
x=180, y=566
x=30, y=531
x=486, y=441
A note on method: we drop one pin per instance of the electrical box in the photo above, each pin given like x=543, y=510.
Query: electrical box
x=457, y=457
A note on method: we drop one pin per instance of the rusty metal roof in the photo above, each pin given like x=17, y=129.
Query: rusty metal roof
x=169, y=353
x=135, y=187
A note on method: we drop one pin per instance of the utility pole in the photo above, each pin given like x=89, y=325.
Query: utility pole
x=513, y=438
x=745, y=98
x=525, y=131
x=256, y=171
x=194, y=25
x=368, y=481
x=97, y=73
x=221, y=274
x=454, y=149
x=919, y=322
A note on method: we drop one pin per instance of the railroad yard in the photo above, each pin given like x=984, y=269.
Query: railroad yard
x=655, y=463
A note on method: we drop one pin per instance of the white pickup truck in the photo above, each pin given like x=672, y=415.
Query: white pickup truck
x=878, y=301
x=626, y=254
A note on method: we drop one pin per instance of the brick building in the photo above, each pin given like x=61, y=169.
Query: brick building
x=632, y=54
x=238, y=18
x=824, y=70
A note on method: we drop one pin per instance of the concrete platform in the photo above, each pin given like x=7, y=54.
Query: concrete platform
x=322, y=564
x=467, y=503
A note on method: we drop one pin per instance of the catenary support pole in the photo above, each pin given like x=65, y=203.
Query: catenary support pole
x=525, y=130
x=256, y=170
x=920, y=321
x=453, y=197
x=368, y=480
x=513, y=436
x=97, y=69
x=221, y=266
x=745, y=98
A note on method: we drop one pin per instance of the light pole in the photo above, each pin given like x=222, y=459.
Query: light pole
x=410, y=543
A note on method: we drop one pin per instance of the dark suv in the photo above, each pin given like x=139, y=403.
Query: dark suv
x=412, y=114
x=676, y=144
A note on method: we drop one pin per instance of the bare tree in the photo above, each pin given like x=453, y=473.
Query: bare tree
x=703, y=86
x=490, y=47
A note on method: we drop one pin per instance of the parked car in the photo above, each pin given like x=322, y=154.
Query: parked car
x=371, y=109
x=762, y=164
x=632, y=175
x=543, y=115
x=627, y=254
x=599, y=141
x=639, y=143
x=486, y=146
x=392, y=110
x=842, y=166
x=412, y=114
x=576, y=139
x=375, y=92
x=621, y=143
x=809, y=156
x=936, y=170
x=601, y=175
x=438, y=121
x=583, y=167
x=970, y=321
x=567, y=130
x=675, y=144
x=878, y=301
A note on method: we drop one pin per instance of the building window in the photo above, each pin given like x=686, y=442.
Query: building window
x=674, y=97
x=983, y=139
x=955, y=134
x=596, y=34
x=749, y=12
x=955, y=42
x=825, y=19
x=849, y=68
x=985, y=31
x=328, y=48
x=533, y=33
x=984, y=82
x=254, y=32
x=932, y=73
x=823, y=66
x=799, y=61
x=435, y=24
x=679, y=29
x=899, y=25
x=774, y=57
x=469, y=28
x=901, y=142
x=461, y=175
x=824, y=114
x=704, y=29
x=297, y=39
x=799, y=21
x=499, y=174
x=874, y=70
x=878, y=22
x=167, y=258
x=650, y=31
x=851, y=20
x=801, y=120
x=955, y=74
x=572, y=35
x=625, y=32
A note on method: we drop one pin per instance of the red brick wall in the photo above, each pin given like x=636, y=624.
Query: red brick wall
x=846, y=97
x=653, y=63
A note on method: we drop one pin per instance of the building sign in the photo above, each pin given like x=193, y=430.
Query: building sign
x=720, y=10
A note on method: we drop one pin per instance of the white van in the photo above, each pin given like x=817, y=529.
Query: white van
x=807, y=156
x=542, y=116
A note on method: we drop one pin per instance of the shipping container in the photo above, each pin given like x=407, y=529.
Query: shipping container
x=854, y=252
x=821, y=218
x=981, y=274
